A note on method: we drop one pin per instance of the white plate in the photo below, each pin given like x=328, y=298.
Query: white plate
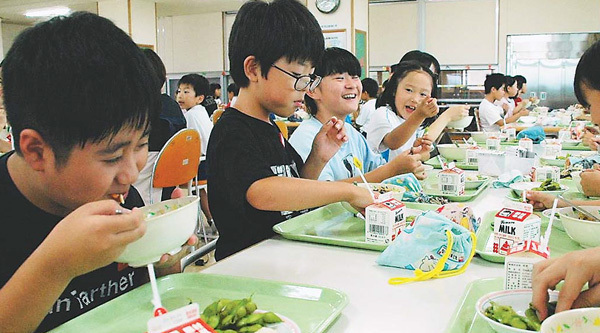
x=287, y=326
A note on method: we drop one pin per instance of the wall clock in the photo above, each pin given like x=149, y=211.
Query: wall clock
x=327, y=6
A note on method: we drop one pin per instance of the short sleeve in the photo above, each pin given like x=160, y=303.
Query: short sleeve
x=377, y=128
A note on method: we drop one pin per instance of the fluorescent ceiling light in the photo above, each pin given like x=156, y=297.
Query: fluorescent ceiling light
x=47, y=12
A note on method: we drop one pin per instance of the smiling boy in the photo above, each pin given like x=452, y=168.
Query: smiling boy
x=337, y=96
x=81, y=139
x=252, y=170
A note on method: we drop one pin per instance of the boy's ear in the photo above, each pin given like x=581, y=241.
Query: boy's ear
x=200, y=99
x=35, y=150
x=252, y=68
x=314, y=94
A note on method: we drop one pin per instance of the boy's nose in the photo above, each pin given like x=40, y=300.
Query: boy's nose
x=129, y=172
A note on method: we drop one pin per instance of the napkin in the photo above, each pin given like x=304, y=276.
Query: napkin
x=583, y=163
x=507, y=178
x=535, y=133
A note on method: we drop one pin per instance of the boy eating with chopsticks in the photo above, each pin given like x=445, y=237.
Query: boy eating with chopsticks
x=80, y=96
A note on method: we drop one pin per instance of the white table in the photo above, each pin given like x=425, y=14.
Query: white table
x=375, y=306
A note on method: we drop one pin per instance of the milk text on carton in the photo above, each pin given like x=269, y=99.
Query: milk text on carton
x=452, y=181
x=518, y=265
x=512, y=226
x=384, y=221
x=542, y=173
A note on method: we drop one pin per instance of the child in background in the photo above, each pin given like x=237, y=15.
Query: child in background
x=402, y=108
x=337, y=96
x=369, y=97
x=232, y=93
x=508, y=104
x=522, y=88
x=253, y=172
x=491, y=116
x=191, y=90
x=579, y=267
x=79, y=140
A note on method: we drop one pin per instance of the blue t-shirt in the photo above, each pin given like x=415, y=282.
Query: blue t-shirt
x=341, y=165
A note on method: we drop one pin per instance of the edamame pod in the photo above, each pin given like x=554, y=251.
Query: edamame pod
x=250, y=329
x=271, y=318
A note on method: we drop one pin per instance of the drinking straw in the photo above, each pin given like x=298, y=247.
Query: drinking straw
x=546, y=238
x=358, y=165
x=155, y=295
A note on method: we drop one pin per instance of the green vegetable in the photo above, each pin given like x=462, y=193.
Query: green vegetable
x=547, y=185
x=237, y=316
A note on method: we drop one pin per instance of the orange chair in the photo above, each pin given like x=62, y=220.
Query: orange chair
x=282, y=127
x=216, y=115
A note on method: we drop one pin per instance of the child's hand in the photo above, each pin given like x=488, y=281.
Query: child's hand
x=409, y=161
x=590, y=182
x=427, y=108
x=425, y=143
x=92, y=236
x=575, y=268
x=524, y=112
x=457, y=112
x=505, y=107
x=329, y=139
x=360, y=198
x=589, y=138
x=540, y=200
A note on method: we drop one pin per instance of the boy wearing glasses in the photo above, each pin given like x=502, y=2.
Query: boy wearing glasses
x=271, y=61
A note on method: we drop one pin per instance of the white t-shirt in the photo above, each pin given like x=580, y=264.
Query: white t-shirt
x=508, y=101
x=489, y=114
x=366, y=110
x=197, y=118
x=384, y=120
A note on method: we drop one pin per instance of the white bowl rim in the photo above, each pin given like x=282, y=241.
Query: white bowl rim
x=191, y=198
x=556, y=316
x=576, y=220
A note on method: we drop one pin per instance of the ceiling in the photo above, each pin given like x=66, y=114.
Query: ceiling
x=11, y=11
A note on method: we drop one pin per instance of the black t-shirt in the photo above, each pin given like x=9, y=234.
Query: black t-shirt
x=29, y=226
x=242, y=150
x=170, y=121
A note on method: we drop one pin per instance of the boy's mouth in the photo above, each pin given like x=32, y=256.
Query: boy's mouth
x=119, y=197
x=349, y=96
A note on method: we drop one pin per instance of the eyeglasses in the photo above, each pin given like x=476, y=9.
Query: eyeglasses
x=310, y=81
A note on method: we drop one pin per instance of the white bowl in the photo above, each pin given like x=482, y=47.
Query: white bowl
x=518, y=299
x=173, y=222
x=586, y=233
x=556, y=222
x=585, y=320
x=428, y=169
x=519, y=187
x=527, y=119
x=451, y=152
x=474, y=184
x=461, y=123
x=479, y=136
x=395, y=191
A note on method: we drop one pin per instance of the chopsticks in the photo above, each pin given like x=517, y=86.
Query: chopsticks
x=579, y=209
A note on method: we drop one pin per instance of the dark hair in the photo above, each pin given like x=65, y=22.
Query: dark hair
x=232, y=87
x=520, y=81
x=270, y=31
x=424, y=58
x=213, y=88
x=89, y=79
x=494, y=80
x=159, y=68
x=388, y=97
x=370, y=86
x=587, y=73
x=510, y=80
x=197, y=81
x=334, y=61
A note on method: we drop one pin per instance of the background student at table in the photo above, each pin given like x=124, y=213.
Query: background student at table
x=81, y=138
x=253, y=172
x=338, y=95
x=369, y=97
x=508, y=103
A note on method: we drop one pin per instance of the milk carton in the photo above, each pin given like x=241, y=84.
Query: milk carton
x=511, y=133
x=551, y=148
x=452, y=181
x=471, y=154
x=542, y=173
x=518, y=264
x=526, y=143
x=515, y=224
x=492, y=143
x=384, y=221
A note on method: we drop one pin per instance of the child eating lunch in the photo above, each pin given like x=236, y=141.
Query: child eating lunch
x=338, y=95
x=80, y=140
x=253, y=171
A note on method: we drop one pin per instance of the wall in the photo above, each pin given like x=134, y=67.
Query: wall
x=393, y=30
x=143, y=22
x=191, y=43
x=9, y=33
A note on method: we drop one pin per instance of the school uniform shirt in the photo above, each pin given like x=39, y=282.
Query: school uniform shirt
x=489, y=114
x=241, y=151
x=366, y=110
x=508, y=101
x=341, y=165
x=383, y=121
x=29, y=226
x=197, y=118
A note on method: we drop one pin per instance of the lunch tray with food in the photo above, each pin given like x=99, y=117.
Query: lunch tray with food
x=579, y=146
x=430, y=187
x=335, y=225
x=465, y=317
x=560, y=243
x=308, y=308
x=435, y=162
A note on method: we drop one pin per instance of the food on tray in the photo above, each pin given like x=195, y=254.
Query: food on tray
x=508, y=316
x=547, y=185
x=474, y=178
x=231, y=316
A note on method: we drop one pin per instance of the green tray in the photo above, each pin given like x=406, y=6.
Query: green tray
x=579, y=146
x=312, y=308
x=430, y=188
x=434, y=162
x=560, y=243
x=502, y=143
x=334, y=225
x=465, y=317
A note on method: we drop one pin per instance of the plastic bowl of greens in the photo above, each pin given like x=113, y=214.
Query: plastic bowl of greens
x=508, y=311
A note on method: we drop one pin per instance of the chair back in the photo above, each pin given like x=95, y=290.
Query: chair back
x=282, y=127
x=477, y=120
x=178, y=160
x=216, y=115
